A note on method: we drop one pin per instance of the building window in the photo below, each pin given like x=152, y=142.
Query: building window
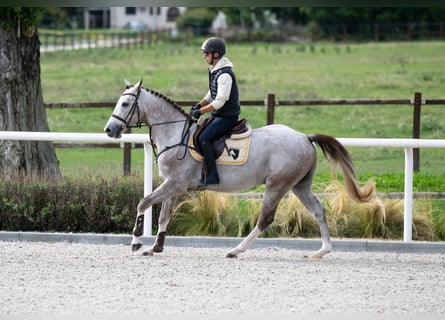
x=155, y=10
x=130, y=10
x=172, y=14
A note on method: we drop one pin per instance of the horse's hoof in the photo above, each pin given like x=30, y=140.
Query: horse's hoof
x=136, y=246
x=158, y=249
x=148, y=253
x=319, y=254
x=231, y=255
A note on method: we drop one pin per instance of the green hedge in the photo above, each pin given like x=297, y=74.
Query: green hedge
x=86, y=204
x=109, y=205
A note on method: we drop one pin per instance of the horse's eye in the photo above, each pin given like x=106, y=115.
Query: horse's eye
x=125, y=104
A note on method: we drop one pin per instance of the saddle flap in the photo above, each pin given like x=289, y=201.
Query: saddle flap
x=239, y=131
x=234, y=151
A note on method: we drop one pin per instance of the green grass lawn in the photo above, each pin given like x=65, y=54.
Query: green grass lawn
x=290, y=71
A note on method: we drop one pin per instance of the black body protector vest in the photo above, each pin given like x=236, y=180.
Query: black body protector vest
x=232, y=106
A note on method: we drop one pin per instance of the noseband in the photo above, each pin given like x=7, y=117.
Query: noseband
x=134, y=108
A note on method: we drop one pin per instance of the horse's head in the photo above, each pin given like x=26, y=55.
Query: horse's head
x=126, y=112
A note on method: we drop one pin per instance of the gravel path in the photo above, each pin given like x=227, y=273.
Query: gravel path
x=68, y=278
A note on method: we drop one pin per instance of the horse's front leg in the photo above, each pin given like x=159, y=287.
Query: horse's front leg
x=167, y=190
x=164, y=219
x=138, y=230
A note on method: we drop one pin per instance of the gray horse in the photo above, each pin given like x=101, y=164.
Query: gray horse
x=279, y=157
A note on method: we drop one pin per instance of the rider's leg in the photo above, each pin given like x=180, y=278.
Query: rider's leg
x=218, y=127
x=211, y=178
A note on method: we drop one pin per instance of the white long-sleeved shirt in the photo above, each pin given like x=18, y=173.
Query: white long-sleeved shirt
x=224, y=85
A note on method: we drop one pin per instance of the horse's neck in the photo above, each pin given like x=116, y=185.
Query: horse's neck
x=166, y=121
x=164, y=135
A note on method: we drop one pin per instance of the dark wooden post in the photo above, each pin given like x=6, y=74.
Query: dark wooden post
x=127, y=157
x=416, y=129
x=376, y=32
x=270, y=108
x=73, y=41
x=54, y=40
x=63, y=40
x=408, y=31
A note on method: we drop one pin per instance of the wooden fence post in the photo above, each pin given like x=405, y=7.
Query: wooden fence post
x=408, y=31
x=416, y=129
x=376, y=32
x=270, y=108
x=127, y=157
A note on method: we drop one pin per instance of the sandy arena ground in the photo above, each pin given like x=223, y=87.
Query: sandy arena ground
x=67, y=278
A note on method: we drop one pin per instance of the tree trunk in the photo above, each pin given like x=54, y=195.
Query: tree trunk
x=21, y=105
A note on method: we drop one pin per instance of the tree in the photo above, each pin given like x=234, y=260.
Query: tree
x=354, y=15
x=199, y=20
x=21, y=98
x=246, y=17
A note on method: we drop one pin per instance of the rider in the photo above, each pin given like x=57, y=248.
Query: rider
x=222, y=101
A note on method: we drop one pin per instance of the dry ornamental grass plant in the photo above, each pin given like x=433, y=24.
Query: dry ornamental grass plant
x=211, y=213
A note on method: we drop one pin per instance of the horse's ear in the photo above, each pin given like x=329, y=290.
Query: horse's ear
x=127, y=84
x=139, y=84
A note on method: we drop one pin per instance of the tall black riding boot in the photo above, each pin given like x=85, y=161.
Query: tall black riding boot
x=211, y=178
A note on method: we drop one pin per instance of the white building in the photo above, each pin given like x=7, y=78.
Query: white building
x=153, y=18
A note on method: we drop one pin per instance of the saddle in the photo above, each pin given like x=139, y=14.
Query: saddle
x=219, y=144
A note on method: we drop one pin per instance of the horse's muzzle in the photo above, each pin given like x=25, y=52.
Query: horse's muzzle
x=113, y=130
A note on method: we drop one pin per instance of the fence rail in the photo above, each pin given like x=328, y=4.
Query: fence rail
x=55, y=41
x=406, y=31
x=407, y=144
x=271, y=103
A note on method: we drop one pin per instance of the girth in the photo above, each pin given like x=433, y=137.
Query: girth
x=219, y=143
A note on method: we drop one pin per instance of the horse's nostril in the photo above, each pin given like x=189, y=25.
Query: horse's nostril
x=109, y=132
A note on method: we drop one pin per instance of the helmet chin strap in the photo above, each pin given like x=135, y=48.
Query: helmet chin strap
x=213, y=57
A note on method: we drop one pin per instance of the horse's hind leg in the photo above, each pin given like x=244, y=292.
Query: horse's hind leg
x=308, y=199
x=268, y=210
x=244, y=244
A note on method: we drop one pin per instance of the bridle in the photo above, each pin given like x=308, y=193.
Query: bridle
x=185, y=136
x=134, y=108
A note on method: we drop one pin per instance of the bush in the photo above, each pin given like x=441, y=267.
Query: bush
x=379, y=218
x=86, y=204
x=212, y=213
x=95, y=204
x=216, y=214
x=199, y=20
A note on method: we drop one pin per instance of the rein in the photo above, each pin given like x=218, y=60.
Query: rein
x=185, y=136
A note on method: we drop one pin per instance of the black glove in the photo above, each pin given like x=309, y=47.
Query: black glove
x=196, y=113
x=196, y=106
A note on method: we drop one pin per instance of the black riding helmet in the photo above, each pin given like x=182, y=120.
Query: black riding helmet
x=213, y=45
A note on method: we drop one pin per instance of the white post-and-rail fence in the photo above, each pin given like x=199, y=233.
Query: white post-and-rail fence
x=407, y=144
